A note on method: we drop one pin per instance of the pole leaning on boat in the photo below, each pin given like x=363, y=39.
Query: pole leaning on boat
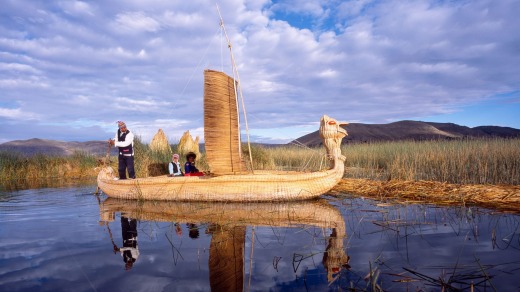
x=236, y=76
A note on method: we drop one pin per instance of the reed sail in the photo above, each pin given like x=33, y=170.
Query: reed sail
x=221, y=125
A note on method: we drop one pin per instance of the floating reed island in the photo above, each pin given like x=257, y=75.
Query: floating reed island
x=499, y=197
x=484, y=172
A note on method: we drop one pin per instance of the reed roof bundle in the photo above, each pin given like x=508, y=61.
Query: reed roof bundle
x=160, y=143
x=188, y=144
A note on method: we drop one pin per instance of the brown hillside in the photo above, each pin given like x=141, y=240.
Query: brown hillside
x=412, y=130
x=56, y=148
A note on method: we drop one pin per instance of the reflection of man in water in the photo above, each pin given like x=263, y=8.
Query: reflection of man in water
x=129, y=251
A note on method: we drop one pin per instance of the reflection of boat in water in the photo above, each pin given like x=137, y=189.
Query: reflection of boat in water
x=228, y=223
x=281, y=214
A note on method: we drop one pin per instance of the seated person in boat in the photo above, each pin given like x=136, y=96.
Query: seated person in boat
x=174, y=167
x=189, y=166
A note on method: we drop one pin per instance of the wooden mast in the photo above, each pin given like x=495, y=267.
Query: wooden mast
x=235, y=74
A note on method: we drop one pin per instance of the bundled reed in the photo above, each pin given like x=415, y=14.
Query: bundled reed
x=221, y=125
x=501, y=197
x=188, y=144
x=160, y=143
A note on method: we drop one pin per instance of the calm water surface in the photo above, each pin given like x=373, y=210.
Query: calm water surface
x=66, y=239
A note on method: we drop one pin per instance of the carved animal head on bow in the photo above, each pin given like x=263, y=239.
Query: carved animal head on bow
x=332, y=133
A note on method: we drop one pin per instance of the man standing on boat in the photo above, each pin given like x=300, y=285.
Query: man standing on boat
x=124, y=140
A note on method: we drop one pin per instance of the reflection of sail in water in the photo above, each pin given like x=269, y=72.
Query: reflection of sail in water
x=226, y=258
x=228, y=229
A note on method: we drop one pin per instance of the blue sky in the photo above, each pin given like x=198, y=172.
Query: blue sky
x=70, y=69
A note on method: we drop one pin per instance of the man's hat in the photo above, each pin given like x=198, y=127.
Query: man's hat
x=121, y=124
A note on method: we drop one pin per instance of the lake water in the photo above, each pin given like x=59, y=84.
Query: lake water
x=67, y=239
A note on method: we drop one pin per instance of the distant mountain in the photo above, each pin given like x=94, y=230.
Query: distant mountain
x=412, y=130
x=55, y=148
x=358, y=133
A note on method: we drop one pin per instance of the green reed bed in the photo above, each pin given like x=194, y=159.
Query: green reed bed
x=481, y=161
x=478, y=161
x=14, y=166
x=289, y=158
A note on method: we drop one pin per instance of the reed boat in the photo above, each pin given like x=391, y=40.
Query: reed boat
x=231, y=182
x=229, y=179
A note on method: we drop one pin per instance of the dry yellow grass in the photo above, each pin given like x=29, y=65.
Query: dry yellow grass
x=500, y=197
x=478, y=161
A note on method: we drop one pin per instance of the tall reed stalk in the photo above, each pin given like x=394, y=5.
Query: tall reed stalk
x=14, y=166
x=289, y=158
x=481, y=161
x=477, y=161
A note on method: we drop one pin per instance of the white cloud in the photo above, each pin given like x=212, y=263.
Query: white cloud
x=352, y=8
x=24, y=68
x=10, y=113
x=371, y=61
x=136, y=22
x=311, y=7
x=256, y=5
x=140, y=105
x=32, y=82
x=179, y=19
x=328, y=73
x=77, y=8
x=80, y=100
x=17, y=114
x=142, y=54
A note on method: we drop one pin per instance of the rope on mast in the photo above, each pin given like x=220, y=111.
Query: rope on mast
x=235, y=73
